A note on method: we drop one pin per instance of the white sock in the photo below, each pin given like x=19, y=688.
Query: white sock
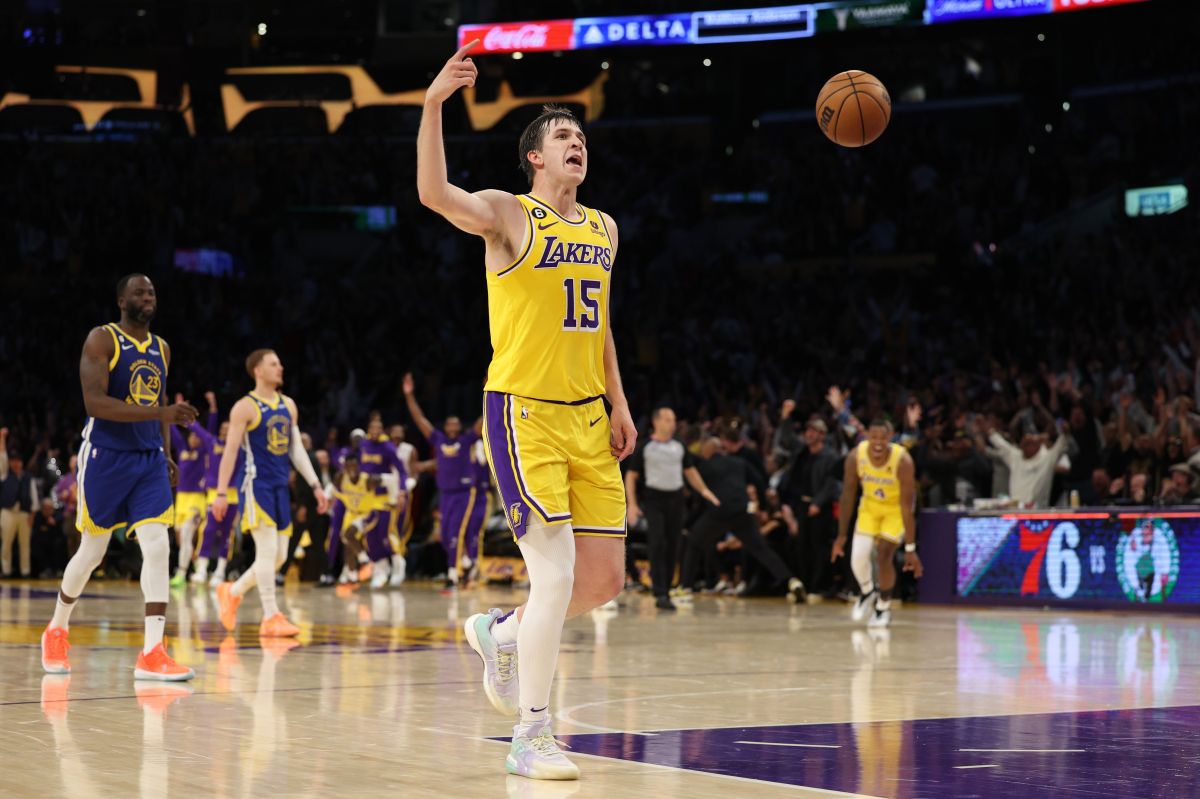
x=154, y=632
x=79, y=570
x=202, y=564
x=186, y=539
x=504, y=630
x=221, y=562
x=62, y=614
x=549, y=552
x=862, y=550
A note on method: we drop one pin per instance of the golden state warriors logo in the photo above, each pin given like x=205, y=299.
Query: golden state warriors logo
x=279, y=428
x=514, y=513
x=145, y=383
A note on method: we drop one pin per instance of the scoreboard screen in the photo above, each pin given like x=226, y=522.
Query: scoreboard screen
x=1113, y=557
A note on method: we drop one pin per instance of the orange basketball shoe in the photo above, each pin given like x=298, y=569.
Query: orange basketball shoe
x=158, y=665
x=227, y=603
x=54, y=651
x=277, y=627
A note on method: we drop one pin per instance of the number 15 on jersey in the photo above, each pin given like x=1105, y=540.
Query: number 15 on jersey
x=583, y=310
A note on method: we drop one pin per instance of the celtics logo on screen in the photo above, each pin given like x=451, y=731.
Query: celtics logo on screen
x=1148, y=561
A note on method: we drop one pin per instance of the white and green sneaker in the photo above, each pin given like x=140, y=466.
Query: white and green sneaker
x=536, y=755
x=499, y=662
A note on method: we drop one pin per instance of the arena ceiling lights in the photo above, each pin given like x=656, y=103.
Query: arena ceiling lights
x=746, y=24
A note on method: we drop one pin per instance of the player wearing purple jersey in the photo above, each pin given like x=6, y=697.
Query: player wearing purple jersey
x=456, y=480
x=378, y=457
x=216, y=537
x=189, y=496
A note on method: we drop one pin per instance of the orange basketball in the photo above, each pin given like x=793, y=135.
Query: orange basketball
x=853, y=108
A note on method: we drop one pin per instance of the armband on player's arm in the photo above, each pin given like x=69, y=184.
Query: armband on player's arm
x=301, y=462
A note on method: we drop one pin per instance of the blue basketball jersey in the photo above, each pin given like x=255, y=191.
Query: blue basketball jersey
x=137, y=375
x=267, y=442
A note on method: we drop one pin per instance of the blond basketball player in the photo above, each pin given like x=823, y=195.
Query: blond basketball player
x=885, y=519
x=552, y=448
x=263, y=425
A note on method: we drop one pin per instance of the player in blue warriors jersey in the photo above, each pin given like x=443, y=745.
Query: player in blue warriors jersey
x=125, y=472
x=552, y=447
x=263, y=425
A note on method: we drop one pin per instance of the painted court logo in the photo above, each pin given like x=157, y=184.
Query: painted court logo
x=1148, y=561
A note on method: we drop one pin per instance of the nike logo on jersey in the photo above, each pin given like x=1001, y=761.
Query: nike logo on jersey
x=593, y=422
x=548, y=224
x=123, y=347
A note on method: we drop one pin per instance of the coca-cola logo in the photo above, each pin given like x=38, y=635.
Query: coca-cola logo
x=526, y=37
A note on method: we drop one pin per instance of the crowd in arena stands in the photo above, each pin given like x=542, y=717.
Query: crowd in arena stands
x=918, y=275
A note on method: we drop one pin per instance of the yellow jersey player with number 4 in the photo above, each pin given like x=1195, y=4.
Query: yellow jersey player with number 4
x=885, y=472
x=552, y=447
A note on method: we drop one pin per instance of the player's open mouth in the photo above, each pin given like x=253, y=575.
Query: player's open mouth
x=576, y=160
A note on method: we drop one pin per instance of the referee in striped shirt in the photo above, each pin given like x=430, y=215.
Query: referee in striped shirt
x=664, y=463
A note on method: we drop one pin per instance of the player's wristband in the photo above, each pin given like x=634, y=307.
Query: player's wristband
x=910, y=547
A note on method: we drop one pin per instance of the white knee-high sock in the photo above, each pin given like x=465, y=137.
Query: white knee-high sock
x=549, y=553
x=156, y=576
x=79, y=570
x=281, y=548
x=862, y=550
x=187, y=535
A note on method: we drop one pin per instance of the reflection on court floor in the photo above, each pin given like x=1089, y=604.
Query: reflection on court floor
x=750, y=698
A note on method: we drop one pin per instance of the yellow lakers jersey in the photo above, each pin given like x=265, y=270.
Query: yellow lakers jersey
x=548, y=309
x=358, y=497
x=880, y=484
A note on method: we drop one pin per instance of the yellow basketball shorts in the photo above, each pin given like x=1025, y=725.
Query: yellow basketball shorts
x=189, y=504
x=886, y=523
x=554, y=460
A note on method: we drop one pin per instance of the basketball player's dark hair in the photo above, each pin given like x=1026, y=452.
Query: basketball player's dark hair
x=255, y=358
x=124, y=282
x=535, y=131
x=881, y=421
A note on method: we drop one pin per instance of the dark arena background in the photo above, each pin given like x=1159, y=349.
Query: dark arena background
x=1000, y=291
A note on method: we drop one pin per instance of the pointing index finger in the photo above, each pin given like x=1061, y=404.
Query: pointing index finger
x=466, y=48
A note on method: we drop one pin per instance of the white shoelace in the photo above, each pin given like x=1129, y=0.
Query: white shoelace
x=506, y=665
x=547, y=746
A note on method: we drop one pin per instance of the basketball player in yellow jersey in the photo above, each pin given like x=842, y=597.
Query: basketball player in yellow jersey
x=885, y=519
x=552, y=448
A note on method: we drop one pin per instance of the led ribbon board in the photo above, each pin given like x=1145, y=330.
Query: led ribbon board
x=746, y=24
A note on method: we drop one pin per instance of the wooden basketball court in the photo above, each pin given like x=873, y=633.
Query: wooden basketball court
x=731, y=698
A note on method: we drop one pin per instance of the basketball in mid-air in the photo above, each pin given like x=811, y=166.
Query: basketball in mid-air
x=853, y=108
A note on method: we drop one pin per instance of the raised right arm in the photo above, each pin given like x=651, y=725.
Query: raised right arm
x=477, y=213
x=414, y=409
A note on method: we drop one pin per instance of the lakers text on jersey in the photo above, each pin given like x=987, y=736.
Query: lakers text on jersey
x=879, y=511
